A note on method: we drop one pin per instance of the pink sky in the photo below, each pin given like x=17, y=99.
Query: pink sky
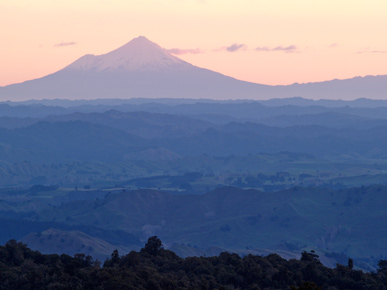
x=262, y=41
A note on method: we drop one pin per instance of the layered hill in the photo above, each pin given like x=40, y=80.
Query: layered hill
x=142, y=69
x=347, y=221
x=71, y=243
x=116, y=136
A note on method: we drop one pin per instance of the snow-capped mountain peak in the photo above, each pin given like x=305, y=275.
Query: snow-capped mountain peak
x=140, y=54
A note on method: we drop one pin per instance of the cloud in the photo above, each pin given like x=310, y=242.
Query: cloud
x=333, y=45
x=179, y=51
x=61, y=44
x=235, y=47
x=373, y=51
x=288, y=49
x=263, y=48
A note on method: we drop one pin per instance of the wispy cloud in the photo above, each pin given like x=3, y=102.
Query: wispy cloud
x=373, y=51
x=333, y=45
x=61, y=44
x=235, y=47
x=263, y=48
x=288, y=49
x=179, y=51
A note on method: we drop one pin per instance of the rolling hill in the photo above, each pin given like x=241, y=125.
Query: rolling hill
x=347, y=221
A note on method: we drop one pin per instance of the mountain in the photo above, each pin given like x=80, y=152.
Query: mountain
x=142, y=69
x=140, y=54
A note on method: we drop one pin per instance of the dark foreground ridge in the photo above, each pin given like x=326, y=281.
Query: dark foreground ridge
x=156, y=268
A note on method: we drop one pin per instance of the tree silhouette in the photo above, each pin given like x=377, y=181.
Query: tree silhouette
x=153, y=246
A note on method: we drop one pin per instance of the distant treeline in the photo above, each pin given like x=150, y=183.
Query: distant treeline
x=156, y=268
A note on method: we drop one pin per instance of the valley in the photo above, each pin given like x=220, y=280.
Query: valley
x=95, y=177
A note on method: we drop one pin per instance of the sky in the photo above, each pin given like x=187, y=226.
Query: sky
x=274, y=42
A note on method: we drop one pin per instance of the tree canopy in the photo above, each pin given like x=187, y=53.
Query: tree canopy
x=156, y=268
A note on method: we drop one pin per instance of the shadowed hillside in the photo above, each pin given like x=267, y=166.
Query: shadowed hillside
x=231, y=218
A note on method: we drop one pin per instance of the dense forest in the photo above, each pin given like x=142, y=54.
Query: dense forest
x=156, y=268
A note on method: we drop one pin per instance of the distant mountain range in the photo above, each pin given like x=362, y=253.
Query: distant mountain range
x=114, y=136
x=142, y=69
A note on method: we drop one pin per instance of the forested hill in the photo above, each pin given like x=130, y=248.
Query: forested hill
x=156, y=268
x=350, y=221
